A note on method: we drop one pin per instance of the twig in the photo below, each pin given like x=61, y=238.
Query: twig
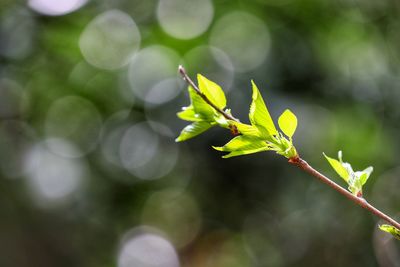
x=302, y=164
x=200, y=93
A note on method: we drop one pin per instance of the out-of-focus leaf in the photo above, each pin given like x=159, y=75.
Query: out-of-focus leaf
x=259, y=115
x=288, y=123
x=391, y=230
x=338, y=167
x=192, y=130
x=212, y=90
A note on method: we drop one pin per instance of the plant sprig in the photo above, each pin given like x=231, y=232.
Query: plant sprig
x=355, y=180
x=260, y=135
x=208, y=108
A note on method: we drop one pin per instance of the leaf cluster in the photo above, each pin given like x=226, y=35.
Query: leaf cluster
x=208, y=108
x=257, y=136
x=355, y=180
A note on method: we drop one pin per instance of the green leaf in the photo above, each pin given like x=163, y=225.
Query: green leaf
x=259, y=115
x=354, y=183
x=365, y=174
x=222, y=121
x=188, y=114
x=245, y=152
x=241, y=143
x=246, y=129
x=391, y=230
x=212, y=91
x=338, y=167
x=192, y=130
x=288, y=123
x=201, y=107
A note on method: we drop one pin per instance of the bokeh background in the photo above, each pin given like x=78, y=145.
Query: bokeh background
x=90, y=174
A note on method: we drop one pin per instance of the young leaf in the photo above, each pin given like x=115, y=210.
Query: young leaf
x=391, y=230
x=221, y=120
x=365, y=174
x=259, y=115
x=246, y=129
x=354, y=184
x=200, y=106
x=192, y=130
x=242, y=143
x=188, y=114
x=245, y=152
x=212, y=91
x=338, y=167
x=288, y=123
x=355, y=180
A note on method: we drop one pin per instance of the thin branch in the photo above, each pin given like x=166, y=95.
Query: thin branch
x=185, y=77
x=302, y=164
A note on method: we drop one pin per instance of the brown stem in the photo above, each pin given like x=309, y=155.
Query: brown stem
x=191, y=83
x=302, y=164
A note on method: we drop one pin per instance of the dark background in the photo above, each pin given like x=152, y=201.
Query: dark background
x=90, y=174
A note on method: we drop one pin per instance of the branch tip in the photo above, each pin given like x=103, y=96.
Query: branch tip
x=186, y=77
x=181, y=70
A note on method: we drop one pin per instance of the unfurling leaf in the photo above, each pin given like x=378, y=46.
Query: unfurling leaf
x=364, y=175
x=337, y=166
x=288, y=123
x=391, y=230
x=212, y=91
x=242, y=145
x=192, y=130
x=259, y=115
x=355, y=180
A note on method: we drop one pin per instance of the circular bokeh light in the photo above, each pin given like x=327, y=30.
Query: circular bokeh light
x=53, y=179
x=145, y=153
x=185, y=19
x=110, y=40
x=150, y=67
x=55, y=8
x=143, y=248
x=244, y=37
x=211, y=62
x=76, y=119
